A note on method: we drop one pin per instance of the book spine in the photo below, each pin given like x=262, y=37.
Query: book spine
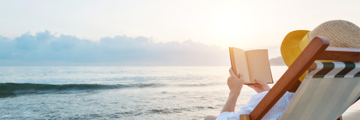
x=232, y=60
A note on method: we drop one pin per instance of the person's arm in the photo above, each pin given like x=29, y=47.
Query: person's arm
x=235, y=85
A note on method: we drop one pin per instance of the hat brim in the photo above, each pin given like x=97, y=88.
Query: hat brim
x=290, y=49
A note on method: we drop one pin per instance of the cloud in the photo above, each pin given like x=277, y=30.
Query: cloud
x=45, y=48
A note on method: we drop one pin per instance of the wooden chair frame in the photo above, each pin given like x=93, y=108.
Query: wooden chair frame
x=316, y=50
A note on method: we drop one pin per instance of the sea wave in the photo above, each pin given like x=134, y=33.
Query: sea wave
x=200, y=84
x=13, y=89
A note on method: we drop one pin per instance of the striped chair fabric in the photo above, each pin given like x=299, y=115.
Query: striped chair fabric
x=326, y=92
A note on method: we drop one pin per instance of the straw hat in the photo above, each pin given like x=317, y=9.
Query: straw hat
x=340, y=33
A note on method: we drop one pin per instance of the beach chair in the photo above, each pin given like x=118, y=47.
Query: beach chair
x=327, y=90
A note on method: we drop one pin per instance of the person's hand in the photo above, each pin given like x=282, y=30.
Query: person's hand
x=235, y=83
x=260, y=86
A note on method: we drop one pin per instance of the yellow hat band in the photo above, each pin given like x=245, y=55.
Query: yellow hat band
x=302, y=45
x=304, y=42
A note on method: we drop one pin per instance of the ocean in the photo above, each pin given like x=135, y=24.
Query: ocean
x=118, y=92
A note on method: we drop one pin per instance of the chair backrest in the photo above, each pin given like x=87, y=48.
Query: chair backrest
x=317, y=49
x=326, y=92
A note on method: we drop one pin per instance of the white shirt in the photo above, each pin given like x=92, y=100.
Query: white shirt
x=273, y=114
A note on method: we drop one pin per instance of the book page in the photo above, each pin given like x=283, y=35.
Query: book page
x=239, y=63
x=259, y=65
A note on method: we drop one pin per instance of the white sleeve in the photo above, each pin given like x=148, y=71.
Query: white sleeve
x=255, y=99
x=273, y=114
x=227, y=116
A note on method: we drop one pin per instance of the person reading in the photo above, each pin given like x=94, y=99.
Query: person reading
x=235, y=84
x=340, y=33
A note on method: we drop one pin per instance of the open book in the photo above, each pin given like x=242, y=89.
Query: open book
x=253, y=64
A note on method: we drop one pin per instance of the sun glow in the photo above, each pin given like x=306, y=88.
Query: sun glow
x=231, y=26
x=230, y=23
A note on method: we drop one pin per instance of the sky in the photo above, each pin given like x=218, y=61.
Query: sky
x=121, y=32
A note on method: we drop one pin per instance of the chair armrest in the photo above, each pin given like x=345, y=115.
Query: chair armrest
x=244, y=117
